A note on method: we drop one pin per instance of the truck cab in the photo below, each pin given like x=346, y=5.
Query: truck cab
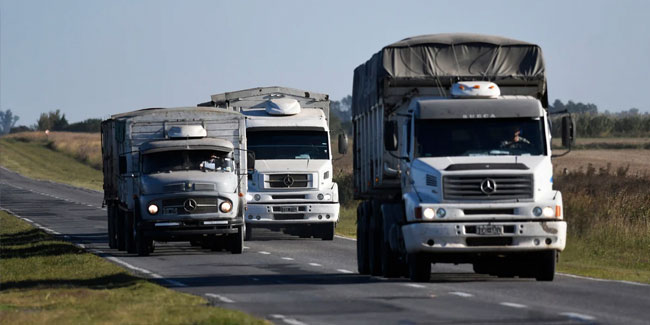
x=291, y=187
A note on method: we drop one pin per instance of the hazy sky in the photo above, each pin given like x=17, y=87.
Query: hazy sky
x=96, y=58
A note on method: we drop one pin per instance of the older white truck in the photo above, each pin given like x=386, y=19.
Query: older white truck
x=452, y=158
x=175, y=174
x=291, y=187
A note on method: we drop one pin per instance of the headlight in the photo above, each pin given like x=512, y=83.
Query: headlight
x=320, y=196
x=249, y=197
x=548, y=212
x=428, y=213
x=537, y=211
x=257, y=197
x=441, y=213
x=225, y=206
x=153, y=209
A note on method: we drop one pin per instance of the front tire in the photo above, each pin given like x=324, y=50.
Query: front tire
x=249, y=233
x=129, y=238
x=419, y=267
x=236, y=241
x=546, y=266
x=327, y=231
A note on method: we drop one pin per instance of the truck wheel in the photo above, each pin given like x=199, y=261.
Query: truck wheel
x=143, y=244
x=236, y=241
x=119, y=229
x=327, y=231
x=419, y=267
x=481, y=267
x=546, y=265
x=129, y=239
x=112, y=241
x=390, y=262
x=249, y=233
x=362, y=240
x=375, y=240
x=217, y=243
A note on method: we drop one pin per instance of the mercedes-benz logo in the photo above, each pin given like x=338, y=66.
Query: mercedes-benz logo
x=288, y=181
x=189, y=205
x=488, y=186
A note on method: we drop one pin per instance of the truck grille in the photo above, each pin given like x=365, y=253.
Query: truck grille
x=488, y=187
x=201, y=205
x=288, y=180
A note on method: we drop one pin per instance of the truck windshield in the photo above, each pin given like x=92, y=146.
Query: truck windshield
x=179, y=160
x=286, y=144
x=479, y=137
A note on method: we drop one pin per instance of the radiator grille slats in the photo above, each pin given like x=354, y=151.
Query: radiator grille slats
x=506, y=187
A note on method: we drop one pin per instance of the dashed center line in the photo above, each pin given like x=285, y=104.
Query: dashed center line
x=220, y=298
x=415, y=285
x=512, y=304
x=578, y=316
x=289, y=321
x=315, y=264
x=345, y=271
x=264, y=253
x=461, y=294
x=287, y=258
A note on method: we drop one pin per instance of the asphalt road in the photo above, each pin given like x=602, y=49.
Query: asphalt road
x=296, y=281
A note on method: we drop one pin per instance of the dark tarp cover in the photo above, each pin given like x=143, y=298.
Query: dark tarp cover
x=439, y=60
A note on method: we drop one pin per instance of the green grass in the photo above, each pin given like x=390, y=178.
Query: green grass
x=48, y=281
x=35, y=160
x=347, y=225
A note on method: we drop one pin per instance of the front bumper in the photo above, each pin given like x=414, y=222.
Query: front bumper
x=189, y=228
x=460, y=237
x=291, y=213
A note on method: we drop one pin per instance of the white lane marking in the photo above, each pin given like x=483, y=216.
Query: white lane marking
x=344, y=237
x=246, y=247
x=315, y=264
x=289, y=321
x=80, y=245
x=415, y=285
x=174, y=282
x=221, y=298
x=287, y=258
x=461, y=294
x=264, y=253
x=512, y=304
x=28, y=220
x=578, y=316
x=145, y=271
x=602, y=280
x=345, y=271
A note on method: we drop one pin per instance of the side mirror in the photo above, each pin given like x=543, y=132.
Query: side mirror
x=390, y=135
x=250, y=160
x=343, y=143
x=568, y=131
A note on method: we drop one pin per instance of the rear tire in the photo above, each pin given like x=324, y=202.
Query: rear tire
x=119, y=229
x=362, y=239
x=236, y=241
x=546, y=265
x=375, y=240
x=419, y=267
x=143, y=244
x=112, y=240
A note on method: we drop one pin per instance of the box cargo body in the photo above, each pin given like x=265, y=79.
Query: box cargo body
x=151, y=157
x=429, y=115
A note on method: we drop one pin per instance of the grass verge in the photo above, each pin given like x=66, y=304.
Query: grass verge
x=48, y=281
x=36, y=160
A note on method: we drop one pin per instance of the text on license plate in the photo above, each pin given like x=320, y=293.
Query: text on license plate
x=489, y=230
x=289, y=209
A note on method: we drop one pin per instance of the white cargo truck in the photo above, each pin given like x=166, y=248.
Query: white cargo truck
x=288, y=133
x=452, y=158
x=175, y=174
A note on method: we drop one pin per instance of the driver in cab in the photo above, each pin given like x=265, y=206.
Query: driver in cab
x=517, y=141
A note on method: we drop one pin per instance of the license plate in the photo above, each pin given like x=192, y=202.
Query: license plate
x=489, y=230
x=171, y=211
x=289, y=209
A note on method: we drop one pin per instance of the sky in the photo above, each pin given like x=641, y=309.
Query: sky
x=91, y=59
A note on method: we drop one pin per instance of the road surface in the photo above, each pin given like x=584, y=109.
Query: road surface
x=289, y=280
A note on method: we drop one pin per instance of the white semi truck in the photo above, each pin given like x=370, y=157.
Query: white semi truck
x=288, y=134
x=452, y=159
x=175, y=174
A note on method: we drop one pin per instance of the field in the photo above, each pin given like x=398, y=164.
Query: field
x=48, y=281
